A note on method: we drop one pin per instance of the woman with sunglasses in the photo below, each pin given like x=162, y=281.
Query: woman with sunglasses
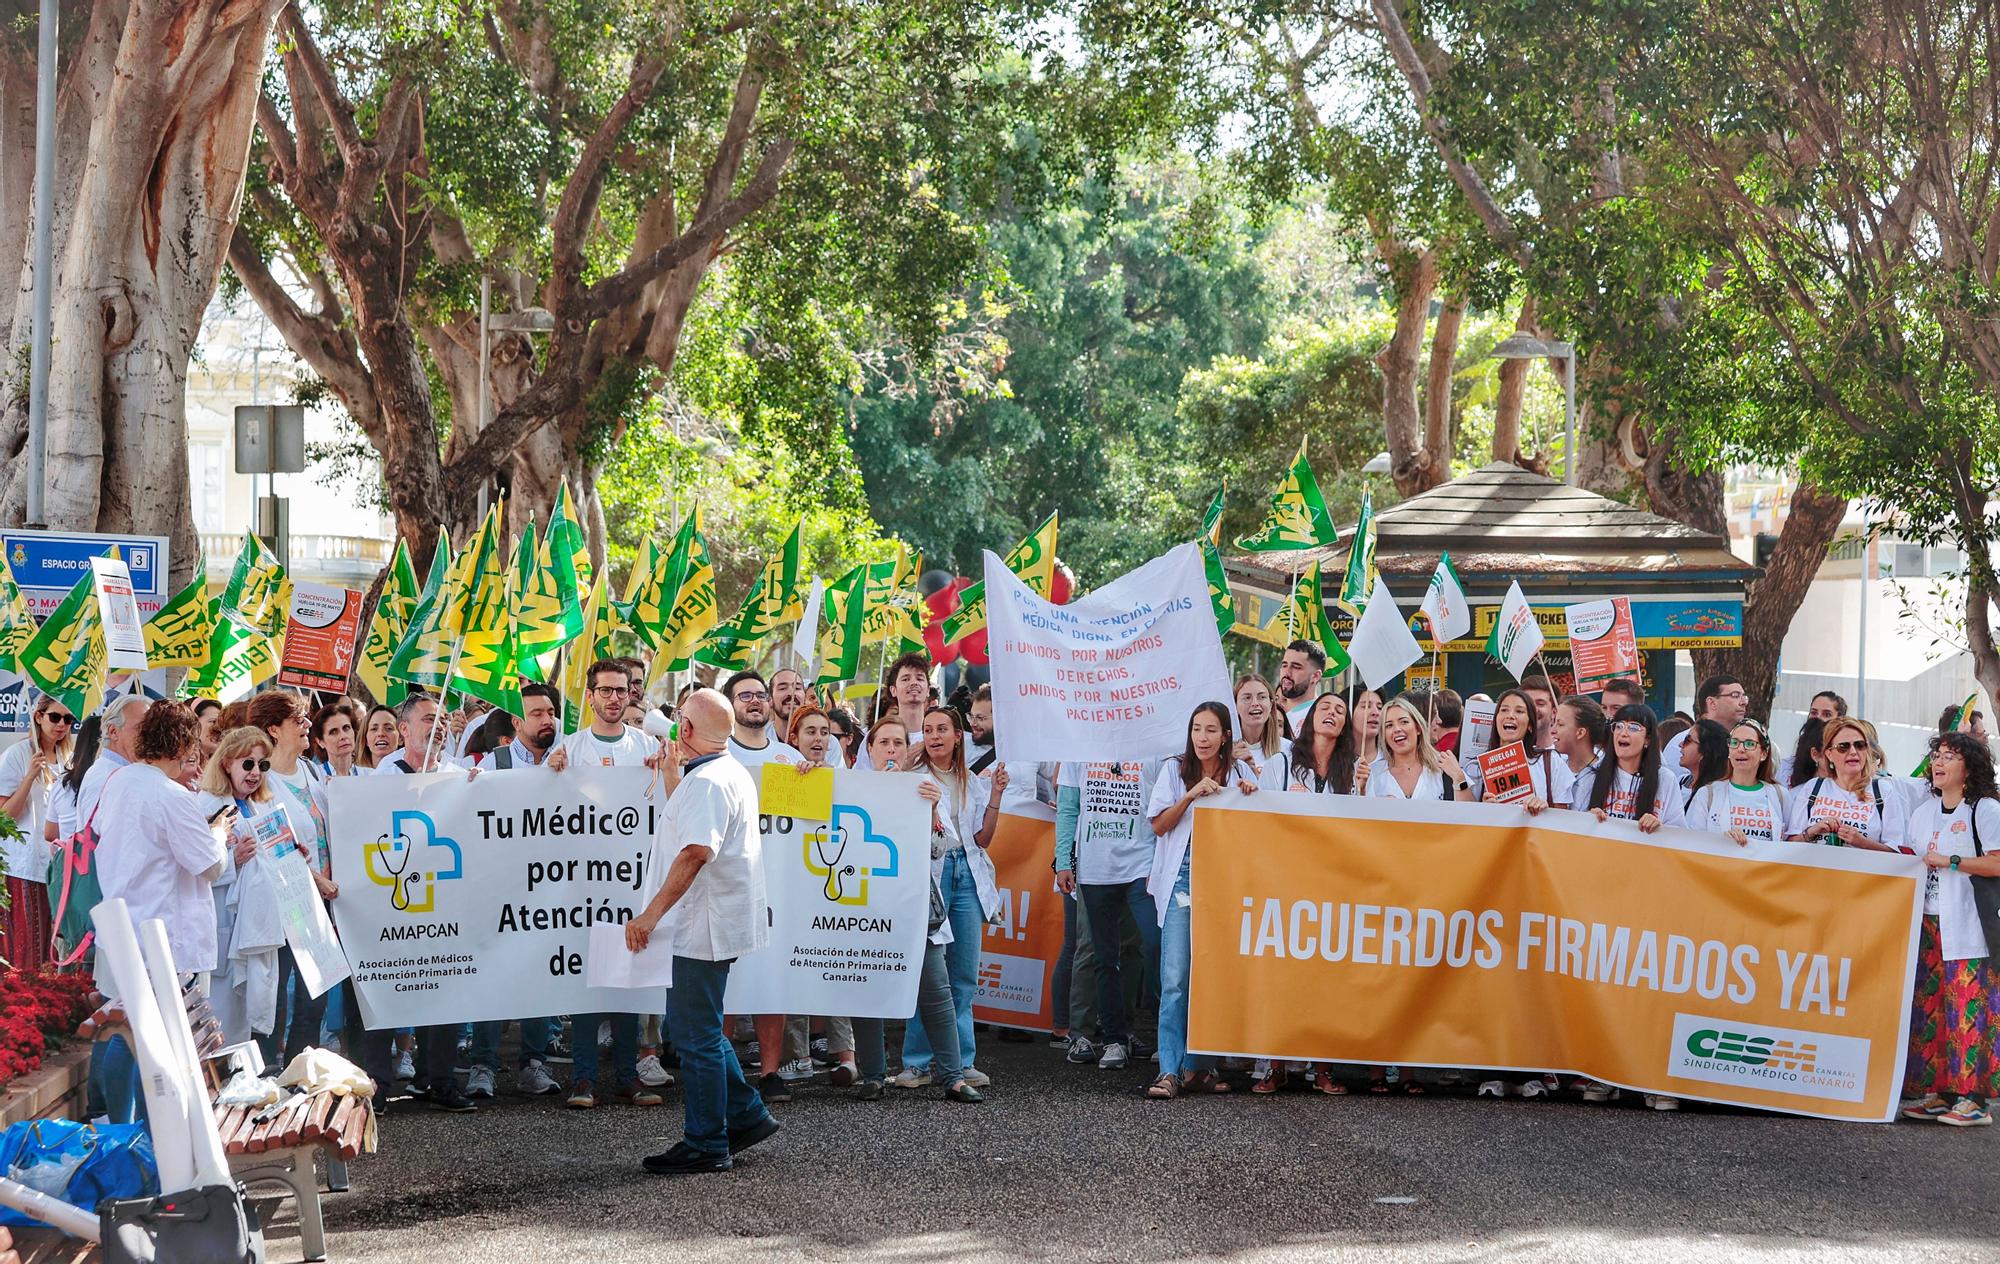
x=1851, y=808
x=233, y=790
x=1954, y=1066
x=28, y=773
x=846, y=732
x=1745, y=804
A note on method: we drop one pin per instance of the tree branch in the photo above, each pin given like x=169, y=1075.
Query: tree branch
x=320, y=340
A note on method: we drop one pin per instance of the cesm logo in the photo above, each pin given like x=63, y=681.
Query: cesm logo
x=846, y=852
x=392, y=861
x=1775, y=1059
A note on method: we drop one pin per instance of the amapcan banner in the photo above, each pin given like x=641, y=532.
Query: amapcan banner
x=1112, y=675
x=1776, y=975
x=1017, y=958
x=850, y=902
x=467, y=900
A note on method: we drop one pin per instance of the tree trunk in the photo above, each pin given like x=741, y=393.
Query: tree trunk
x=1413, y=273
x=1508, y=397
x=1438, y=447
x=1773, y=600
x=154, y=134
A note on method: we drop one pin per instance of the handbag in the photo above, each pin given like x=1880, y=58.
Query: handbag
x=81, y=1164
x=210, y=1225
x=73, y=887
x=1985, y=895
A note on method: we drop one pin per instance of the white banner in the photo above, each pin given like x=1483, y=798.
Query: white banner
x=463, y=901
x=850, y=906
x=1114, y=674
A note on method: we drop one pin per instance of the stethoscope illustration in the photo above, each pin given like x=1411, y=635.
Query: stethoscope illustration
x=835, y=889
x=399, y=889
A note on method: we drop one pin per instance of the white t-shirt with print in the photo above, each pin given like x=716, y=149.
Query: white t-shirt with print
x=631, y=748
x=755, y=757
x=1948, y=895
x=1114, y=836
x=1623, y=801
x=1721, y=806
x=1822, y=799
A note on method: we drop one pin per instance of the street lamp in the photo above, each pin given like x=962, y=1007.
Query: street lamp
x=1528, y=347
x=1380, y=463
x=532, y=320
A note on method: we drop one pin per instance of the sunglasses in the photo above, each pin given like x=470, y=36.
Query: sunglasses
x=60, y=717
x=255, y=765
x=1847, y=747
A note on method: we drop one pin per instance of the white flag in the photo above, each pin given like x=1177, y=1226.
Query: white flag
x=1382, y=644
x=1517, y=637
x=1450, y=614
x=805, y=641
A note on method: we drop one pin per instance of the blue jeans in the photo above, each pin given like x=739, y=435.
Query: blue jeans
x=1103, y=903
x=968, y=928
x=624, y=1047
x=534, y=1042
x=334, y=1021
x=938, y=1020
x=716, y=1099
x=114, y=1075
x=1176, y=958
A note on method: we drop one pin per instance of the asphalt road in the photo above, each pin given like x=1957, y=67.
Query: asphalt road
x=1068, y=1163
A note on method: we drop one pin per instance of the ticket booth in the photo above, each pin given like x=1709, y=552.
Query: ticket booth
x=1564, y=545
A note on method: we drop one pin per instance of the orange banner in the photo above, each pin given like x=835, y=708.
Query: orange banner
x=1017, y=961
x=1776, y=975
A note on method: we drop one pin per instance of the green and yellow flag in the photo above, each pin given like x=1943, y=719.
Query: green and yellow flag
x=542, y=597
x=777, y=596
x=843, y=613
x=566, y=538
x=1297, y=518
x=1360, y=578
x=17, y=621
x=1211, y=560
x=484, y=661
x=1303, y=617
x=240, y=658
x=179, y=632
x=65, y=656
x=893, y=605
x=1923, y=769
x=1033, y=560
x=423, y=656
x=386, y=629
x=600, y=625
x=685, y=599
x=258, y=594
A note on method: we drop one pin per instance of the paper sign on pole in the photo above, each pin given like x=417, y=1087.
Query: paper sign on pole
x=118, y=609
x=1476, y=733
x=272, y=828
x=1112, y=675
x=1603, y=645
x=320, y=631
x=1504, y=770
x=783, y=790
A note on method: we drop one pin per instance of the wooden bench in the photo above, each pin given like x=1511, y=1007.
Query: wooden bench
x=278, y=1144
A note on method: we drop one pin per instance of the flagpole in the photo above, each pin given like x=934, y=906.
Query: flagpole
x=444, y=695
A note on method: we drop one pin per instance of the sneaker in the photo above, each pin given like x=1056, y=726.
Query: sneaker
x=534, y=1081
x=1966, y=1113
x=1492, y=1088
x=479, y=1082
x=1081, y=1051
x=685, y=1160
x=558, y=1050
x=1593, y=1091
x=975, y=1077
x=1532, y=1089
x=818, y=1049
x=1658, y=1101
x=1113, y=1058
x=843, y=1074
x=636, y=1094
x=868, y=1091
x=911, y=1077
x=652, y=1074
x=1059, y=1039
x=741, y=1139
x=772, y=1088
x=451, y=1098
x=406, y=1066
x=582, y=1096
x=1931, y=1107
x=604, y=1034
x=797, y=1072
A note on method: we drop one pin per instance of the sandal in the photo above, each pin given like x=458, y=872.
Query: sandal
x=1207, y=1082
x=1323, y=1082
x=1270, y=1082
x=1166, y=1088
x=1380, y=1084
x=1412, y=1089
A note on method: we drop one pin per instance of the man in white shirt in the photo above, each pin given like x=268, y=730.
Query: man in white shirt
x=750, y=739
x=909, y=681
x=708, y=865
x=423, y=738
x=1720, y=698
x=1299, y=675
x=788, y=692
x=115, y=746
x=609, y=742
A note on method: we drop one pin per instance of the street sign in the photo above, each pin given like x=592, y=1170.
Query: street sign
x=47, y=564
x=270, y=438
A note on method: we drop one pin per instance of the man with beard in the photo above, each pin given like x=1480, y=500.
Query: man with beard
x=979, y=730
x=788, y=691
x=1298, y=679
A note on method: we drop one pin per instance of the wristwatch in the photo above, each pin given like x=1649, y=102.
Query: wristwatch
x=1465, y=785
x=1954, y=864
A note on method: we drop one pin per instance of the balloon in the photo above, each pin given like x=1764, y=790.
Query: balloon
x=942, y=601
x=1062, y=584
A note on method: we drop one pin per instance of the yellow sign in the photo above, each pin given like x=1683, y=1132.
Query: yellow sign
x=803, y=796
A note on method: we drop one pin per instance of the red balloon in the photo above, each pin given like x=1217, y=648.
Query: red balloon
x=1062, y=584
x=972, y=649
x=942, y=604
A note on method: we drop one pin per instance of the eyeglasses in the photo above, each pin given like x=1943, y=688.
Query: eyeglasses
x=1945, y=753
x=1745, y=743
x=255, y=765
x=1628, y=727
x=60, y=717
x=610, y=691
x=749, y=695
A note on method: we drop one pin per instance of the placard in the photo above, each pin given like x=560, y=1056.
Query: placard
x=1603, y=644
x=1504, y=772
x=320, y=631
x=118, y=611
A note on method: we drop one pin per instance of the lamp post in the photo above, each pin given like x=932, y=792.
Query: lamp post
x=531, y=320
x=44, y=264
x=1529, y=347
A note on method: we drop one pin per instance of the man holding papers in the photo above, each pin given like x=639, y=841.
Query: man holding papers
x=707, y=867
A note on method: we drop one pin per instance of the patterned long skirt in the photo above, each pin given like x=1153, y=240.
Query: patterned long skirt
x=26, y=926
x=1952, y=1027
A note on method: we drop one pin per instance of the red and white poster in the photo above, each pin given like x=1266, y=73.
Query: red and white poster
x=1017, y=960
x=320, y=631
x=1602, y=643
x=1504, y=770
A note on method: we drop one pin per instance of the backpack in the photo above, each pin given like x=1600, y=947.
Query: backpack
x=1874, y=786
x=1985, y=893
x=73, y=888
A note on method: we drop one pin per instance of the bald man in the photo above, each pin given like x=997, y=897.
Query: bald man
x=707, y=864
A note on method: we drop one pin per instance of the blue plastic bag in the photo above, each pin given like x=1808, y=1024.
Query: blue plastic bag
x=82, y=1164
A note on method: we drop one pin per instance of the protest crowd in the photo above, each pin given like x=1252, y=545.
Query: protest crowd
x=171, y=793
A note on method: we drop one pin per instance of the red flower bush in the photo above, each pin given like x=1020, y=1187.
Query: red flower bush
x=36, y=1011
